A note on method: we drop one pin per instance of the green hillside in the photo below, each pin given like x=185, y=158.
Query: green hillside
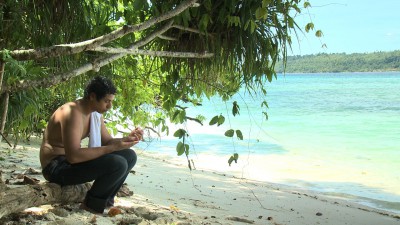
x=341, y=62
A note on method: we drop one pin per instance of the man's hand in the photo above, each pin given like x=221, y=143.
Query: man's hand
x=137, y=134
x=124, y=143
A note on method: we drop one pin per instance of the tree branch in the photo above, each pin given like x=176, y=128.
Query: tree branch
x=2, y=65
x=68, y=49
x=167, y=38
x=154, y=53
x=96, y=65
x=189, y=29
x=194, y=119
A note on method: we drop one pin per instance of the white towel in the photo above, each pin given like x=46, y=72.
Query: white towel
x=95, y=130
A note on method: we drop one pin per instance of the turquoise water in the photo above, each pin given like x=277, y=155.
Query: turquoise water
x=337, y=133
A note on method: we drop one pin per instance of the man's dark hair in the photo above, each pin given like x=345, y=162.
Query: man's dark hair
x=101, y=86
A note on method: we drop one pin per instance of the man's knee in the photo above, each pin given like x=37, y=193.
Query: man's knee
x=129, y=155
x=117, y=163
x=133, y=158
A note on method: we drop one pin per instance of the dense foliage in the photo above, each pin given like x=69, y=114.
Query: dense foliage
x=163, y=55
x=341, y=62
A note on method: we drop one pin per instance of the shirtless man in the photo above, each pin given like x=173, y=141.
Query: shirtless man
x=65, y=162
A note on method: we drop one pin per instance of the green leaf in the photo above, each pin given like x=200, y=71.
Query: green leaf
x=204, y=21
x=207, y=4
x=157, y=122
x=239, y=134
x=229, y=133
x=180, y=148
x=234, y=157
x=291, y=22
x=175, y=76
x=29, y=110
x=187, y=149
x=214, y=120
x=230, y=160
x=265, y=3
x=246, y=25
x=221, y=120
x=252, y=26
x=24, y=124
x=186, y=17
x=264, y=103
x=182, y=116
x=235, y=109
x=261, y=13
x=309, y=26
x=266, y=115
x=179, y=133
x=139, y=4
x=176, y=113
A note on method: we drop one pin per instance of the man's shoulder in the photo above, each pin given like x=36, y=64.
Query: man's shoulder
x=68, y=109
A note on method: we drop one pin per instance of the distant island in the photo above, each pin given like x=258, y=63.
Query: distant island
x=342, y=62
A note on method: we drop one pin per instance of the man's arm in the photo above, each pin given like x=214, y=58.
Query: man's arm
x=107, y=139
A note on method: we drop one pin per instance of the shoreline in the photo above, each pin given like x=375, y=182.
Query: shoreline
x=241, y=173
x=165, y=184
x=362, y=191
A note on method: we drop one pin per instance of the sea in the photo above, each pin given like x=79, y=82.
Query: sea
x=334, y=133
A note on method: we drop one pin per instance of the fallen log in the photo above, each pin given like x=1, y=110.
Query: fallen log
x=17, y=199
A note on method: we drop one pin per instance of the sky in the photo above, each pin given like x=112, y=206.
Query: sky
x=350, y=26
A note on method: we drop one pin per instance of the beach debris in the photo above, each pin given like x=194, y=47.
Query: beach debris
x=114, y=211
x=29, y=180
x=32, y=171
x=146, y=213
x=124, y=191
x=238, y=219
x=173, y=208
x=21, y=179
x=61, y=212
x=130, y=219
x=183, y=223
x=93, y=220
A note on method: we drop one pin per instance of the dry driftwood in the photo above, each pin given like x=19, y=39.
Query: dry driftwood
x=13, y=200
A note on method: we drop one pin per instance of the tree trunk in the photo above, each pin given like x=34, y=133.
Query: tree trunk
x=4, y=115
x=13, y=200
x=2, y=65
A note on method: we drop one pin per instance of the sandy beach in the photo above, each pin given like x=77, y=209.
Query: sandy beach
x=165, y=191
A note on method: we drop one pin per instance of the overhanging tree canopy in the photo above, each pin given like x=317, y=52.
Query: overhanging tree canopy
x=159, y=53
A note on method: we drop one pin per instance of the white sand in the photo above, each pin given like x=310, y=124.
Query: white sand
x=166, y=186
